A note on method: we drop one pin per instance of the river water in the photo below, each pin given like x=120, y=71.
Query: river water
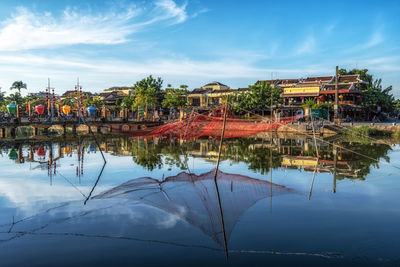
x=278, y=201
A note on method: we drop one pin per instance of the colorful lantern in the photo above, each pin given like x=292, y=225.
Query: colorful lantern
x=91, y=110
x=66, y=109
x=321, y=97
x=39, y=109
x=41, y=152
x=92, y=148
x=13, y=154
x=12, y=108
x=341, y=97
x=67, y=150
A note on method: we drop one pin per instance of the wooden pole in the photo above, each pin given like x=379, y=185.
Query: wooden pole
x=220, y=143
x=216, y=183
x=316, y=149
x=335, y=167
x=336, y=106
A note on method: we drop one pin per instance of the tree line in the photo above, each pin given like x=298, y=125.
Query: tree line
x=148, y=94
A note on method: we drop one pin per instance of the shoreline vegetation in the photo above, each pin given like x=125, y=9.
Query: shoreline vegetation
x=370, y=131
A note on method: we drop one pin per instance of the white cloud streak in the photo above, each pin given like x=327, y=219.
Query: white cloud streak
x=101, y=74
x=170, y=9
x=306, y=47
x=28, y=30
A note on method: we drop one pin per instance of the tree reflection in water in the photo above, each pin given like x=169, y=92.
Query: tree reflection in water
x=193, y=197
x=157, y=153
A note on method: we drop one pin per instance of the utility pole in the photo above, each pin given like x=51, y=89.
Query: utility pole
x=336, y=105
x=271, y=87
x=78, y=93
x=49, y=99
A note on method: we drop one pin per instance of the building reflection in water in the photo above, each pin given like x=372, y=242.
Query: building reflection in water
x=261, y=154
x=194, y=198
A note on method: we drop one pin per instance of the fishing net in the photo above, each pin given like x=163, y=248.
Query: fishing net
x=211, y=124
x=194, y=198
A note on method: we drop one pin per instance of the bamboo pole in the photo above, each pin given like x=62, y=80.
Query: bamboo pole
x=216, y=183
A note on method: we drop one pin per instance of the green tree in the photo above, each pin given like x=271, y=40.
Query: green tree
x=258, y=98
x=128, y=102
x=362, y=72
x=18, y=85
x=397, y=105
x=147, y=92
x=374, y=95
x=2, y=98
x=310, y=103
x=29, y=98
x=17, y=98
x=175, y=98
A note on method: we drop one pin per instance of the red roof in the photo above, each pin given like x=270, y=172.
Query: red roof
x=324, y=79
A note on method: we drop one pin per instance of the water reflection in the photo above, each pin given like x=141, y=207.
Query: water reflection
x=133, y=201
x=353, y=160
x=195, y=198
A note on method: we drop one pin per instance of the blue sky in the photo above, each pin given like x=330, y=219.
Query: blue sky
x=115, y=43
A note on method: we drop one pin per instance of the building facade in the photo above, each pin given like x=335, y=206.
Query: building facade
x=211, y=94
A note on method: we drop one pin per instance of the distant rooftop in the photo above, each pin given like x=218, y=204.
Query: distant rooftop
x=214, y=83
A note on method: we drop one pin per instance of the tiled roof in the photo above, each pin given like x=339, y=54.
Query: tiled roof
x=341, y=86
x=307, y=84
x=198, y=91
x=348, y=78
x=222, y=91
x=214, y=83
x=324, y=79
x=279, y=81
x=118, y=88
x=72, y=92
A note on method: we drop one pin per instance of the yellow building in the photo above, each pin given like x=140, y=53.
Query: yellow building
x=121, y=90
x=211, y=94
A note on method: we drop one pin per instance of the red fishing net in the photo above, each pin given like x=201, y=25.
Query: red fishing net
x=211, y=124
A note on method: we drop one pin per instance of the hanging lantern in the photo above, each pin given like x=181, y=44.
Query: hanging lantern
x=301, y=97
x=91, y=110
x=341, y=97
x=358, y=96
x=67, y=150
x=41, y=152
x=66, y=109
x=39, y=109
x=321, y=97
x=13, y=154
x=92, y=148
x=12, y=108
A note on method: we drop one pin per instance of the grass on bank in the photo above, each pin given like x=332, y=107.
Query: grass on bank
x=366, y=131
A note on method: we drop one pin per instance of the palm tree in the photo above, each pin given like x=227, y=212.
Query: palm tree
x=18, y=85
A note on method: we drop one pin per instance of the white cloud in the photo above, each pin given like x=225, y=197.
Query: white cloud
x=329, y=29
x=99, y=74
x=28, y=30
x=307, y=46
x=172, y=10
x=375, y=39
